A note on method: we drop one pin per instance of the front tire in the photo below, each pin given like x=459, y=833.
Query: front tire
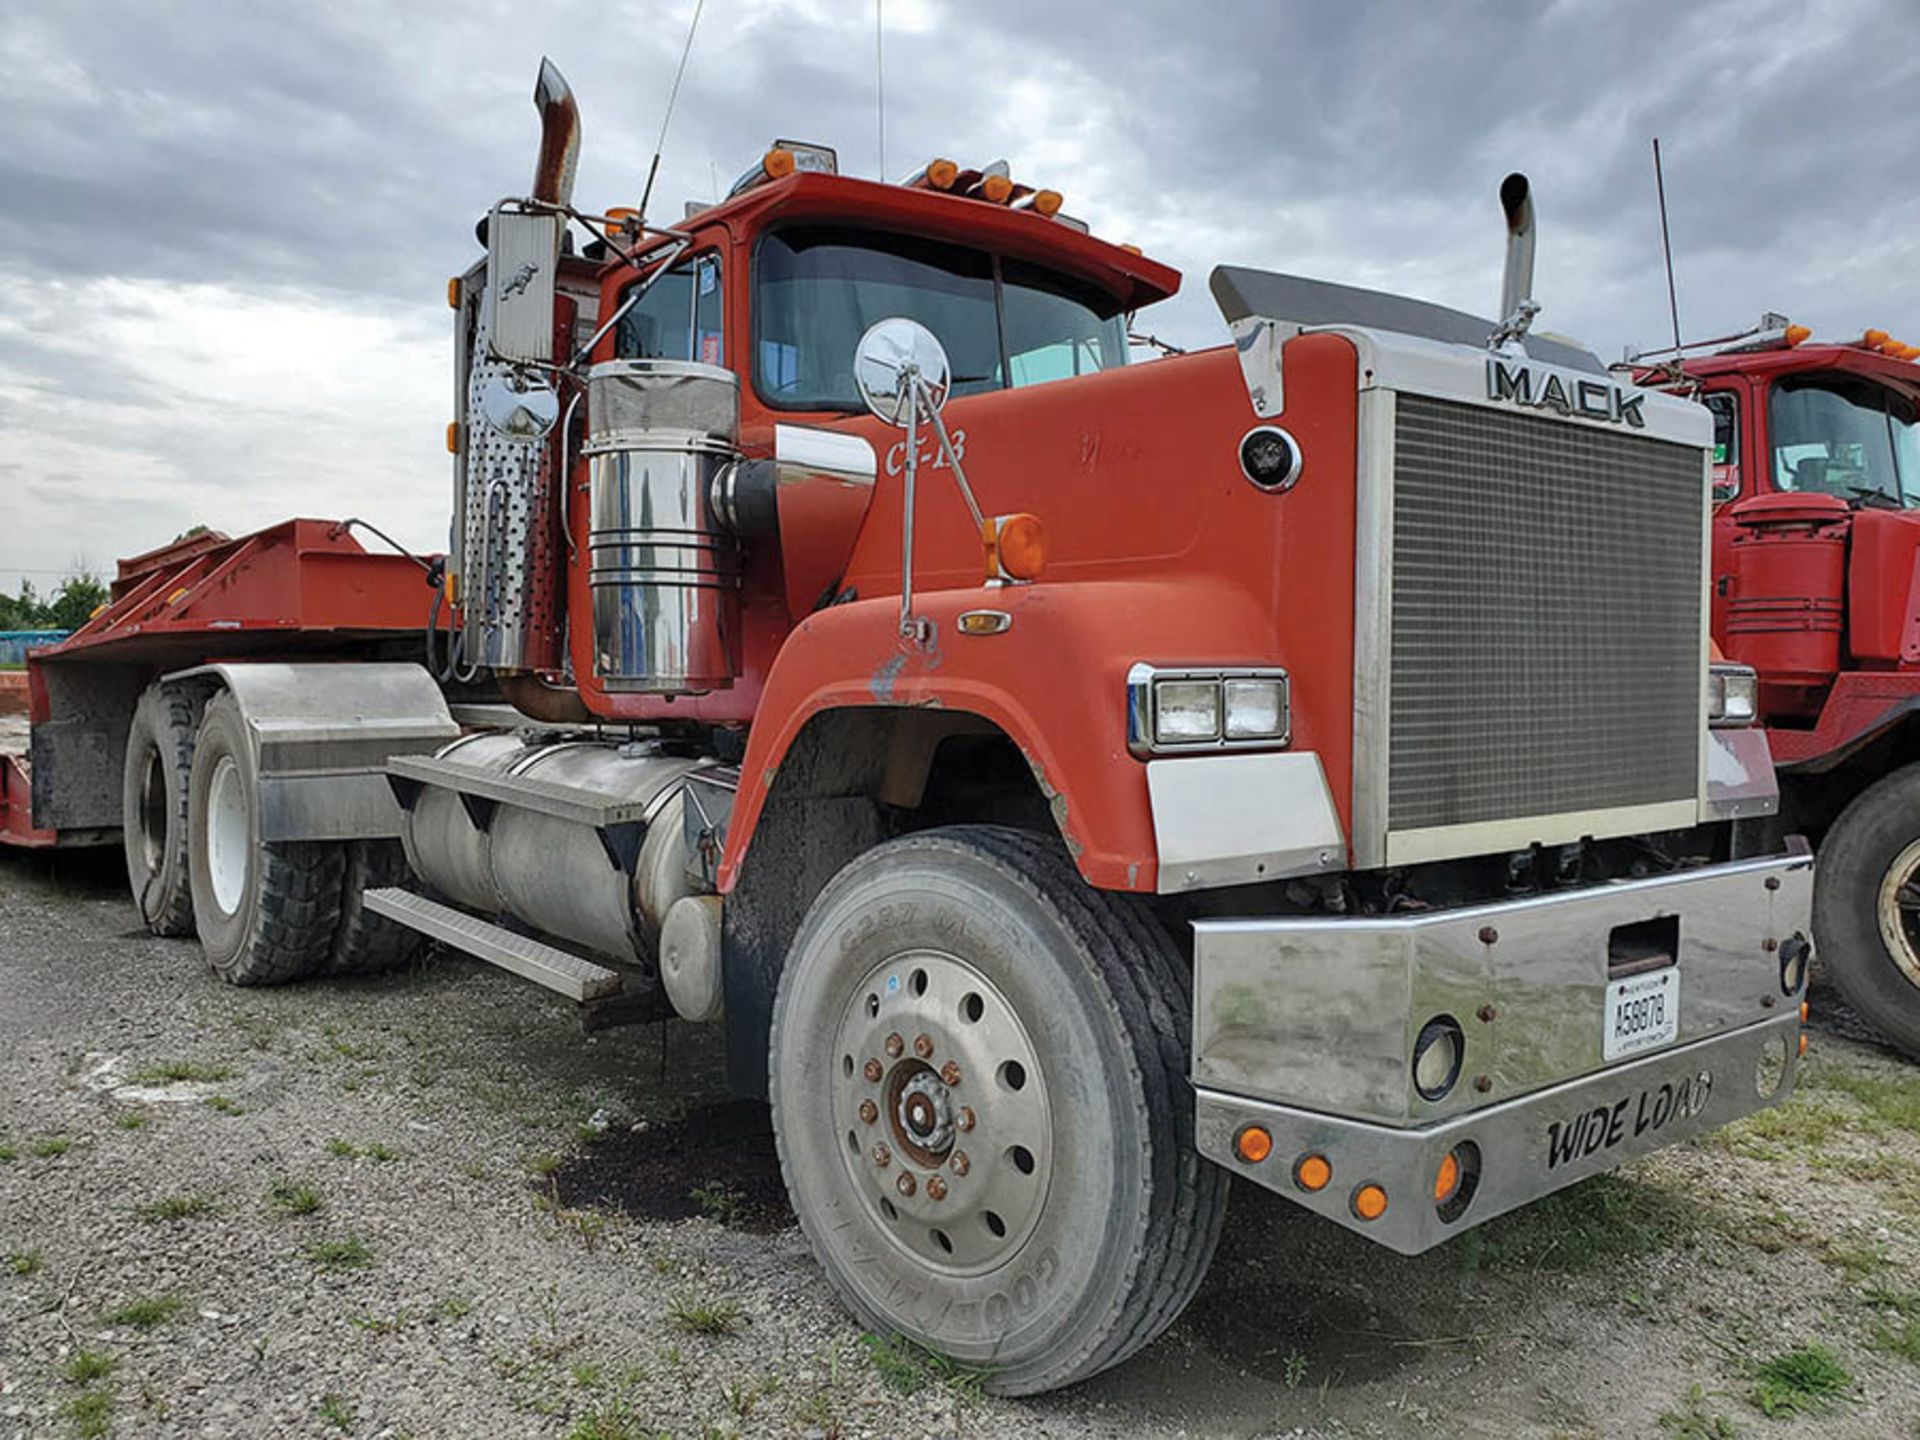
x=978, y=1080
x=265, y=913
x=1866, y=906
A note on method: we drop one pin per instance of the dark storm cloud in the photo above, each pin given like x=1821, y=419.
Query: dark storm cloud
x=335, y=157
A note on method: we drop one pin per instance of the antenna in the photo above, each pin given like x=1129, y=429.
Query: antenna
x=1666, y=244
x=880, y=86
x=672, y=95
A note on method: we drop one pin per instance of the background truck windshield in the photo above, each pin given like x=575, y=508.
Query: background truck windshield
x=818, y=289
x=1847, y=437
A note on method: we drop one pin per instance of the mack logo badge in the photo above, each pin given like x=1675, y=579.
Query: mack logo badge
x=522, y=278
x=1589, y=399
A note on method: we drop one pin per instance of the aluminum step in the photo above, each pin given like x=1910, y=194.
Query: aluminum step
x=577, y=979
x=566, y=802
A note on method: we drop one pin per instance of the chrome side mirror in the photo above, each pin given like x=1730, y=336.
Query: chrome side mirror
x=897, y=362
x=523, y=252
x=518, y=404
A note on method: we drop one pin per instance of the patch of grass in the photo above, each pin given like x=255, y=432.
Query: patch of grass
x=92, y=1414
x=1804, y=1123
x=47, y=1147
x=719, y=1201
x=337, y=1411
x=1806, y=1381
x=586, y=1374
x=226, y=1105
x=697, y=1316
x=1599, y=1221
x=382, y=1153
x=24, y=1262
x=613, y=1422
x=1901, y=1339
x=8, y=1154
x=349, y=1253
x=288, y=1198
x=341, y=1149
x=1889, y=1100
x=385, y=1324
x=544, y=1163
x=84, y=1366
x=146, y=1312
x=132, y=1120
x=175, y=1207
x=173, y=1072
x=1856, y=1260
x=906, y=1369
x=455, y=1307
x=1692, y=1420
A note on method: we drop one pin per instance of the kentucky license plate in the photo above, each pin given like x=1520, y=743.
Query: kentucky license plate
x=1643, y=1013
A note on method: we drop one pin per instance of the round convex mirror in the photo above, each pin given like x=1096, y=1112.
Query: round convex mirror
x=518, y=405
x=887, y=354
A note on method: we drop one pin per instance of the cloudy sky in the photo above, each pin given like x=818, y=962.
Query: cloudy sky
x=226, y=227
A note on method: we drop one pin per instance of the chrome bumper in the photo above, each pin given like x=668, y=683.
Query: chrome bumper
x=1307, y=1026
x=1527, y=1147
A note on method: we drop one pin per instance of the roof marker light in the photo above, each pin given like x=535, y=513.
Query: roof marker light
x=1796, y=335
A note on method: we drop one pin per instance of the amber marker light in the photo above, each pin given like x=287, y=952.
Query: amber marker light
x=1047, y=202
x=1874, y=339
x=453, y=292
x=942, y=173
x=1019, y=546
x=777, y=163
x=996, y=189
x=1797, y=334
x=453, y=437
x=1369, y=1202
x=1312, y=1173
x=1805, y=1008
x=1253, y=1144
x=1446, y=1180
x=1803, y=1042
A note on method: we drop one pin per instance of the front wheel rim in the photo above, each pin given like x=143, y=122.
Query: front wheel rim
x=1898, y=909
x=943, y=1113
x=229, y=835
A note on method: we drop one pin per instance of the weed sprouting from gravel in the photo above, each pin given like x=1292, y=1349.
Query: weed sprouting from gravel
x=341, y=1149
x=174, y=1072
x=8, y=1154
x=720, y=1201
x=1600, y=1221
x=586, y=1374
x=226, y=1105
x=906, y=1369
x=132, y=1120
x=613, y=1422
x=92, y=1414
x=455, y=1307
x=382, y=1153
x=337, y=1411
x=543, y=1164
x=175, y=1207
x=1807, y=1381
x=146, y=1312
x=290, y=1197
x=697, y=1316
x=385, y=1324
x=84, y=1366
x=24, y=1262
x=350, y=1253
x=1694, y=1421
x=48, y=1147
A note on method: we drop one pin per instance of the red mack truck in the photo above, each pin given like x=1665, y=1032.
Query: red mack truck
x=1816, y=586
x=1071, y=783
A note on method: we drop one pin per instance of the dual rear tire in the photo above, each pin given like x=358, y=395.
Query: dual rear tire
x=265, y=911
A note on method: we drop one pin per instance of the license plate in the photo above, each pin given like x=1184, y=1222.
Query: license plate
x=1643, y=1013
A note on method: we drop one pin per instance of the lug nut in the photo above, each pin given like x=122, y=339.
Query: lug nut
x=936, y=1188
x=881, y=1155
x=869, y=1112
x=965, y=1118
x=873, y=1072
x=895, y=1045
x=905, y=1184
x=959, y=1164
x=950, y=1073
x=923, y=1046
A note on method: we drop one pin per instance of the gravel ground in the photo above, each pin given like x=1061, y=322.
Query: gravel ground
x=426, y=1205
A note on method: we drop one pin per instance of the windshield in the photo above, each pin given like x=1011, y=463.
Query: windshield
x=817, y=289
x=1845, y=436
x=677, y=317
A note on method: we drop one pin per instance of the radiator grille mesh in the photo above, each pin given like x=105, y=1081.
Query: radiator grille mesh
x=1543, y=657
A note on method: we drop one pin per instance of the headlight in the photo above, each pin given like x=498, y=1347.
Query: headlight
x=1170, y=711
x=1733, y=694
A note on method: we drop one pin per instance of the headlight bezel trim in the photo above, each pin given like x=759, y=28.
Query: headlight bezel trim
x=1142, y=738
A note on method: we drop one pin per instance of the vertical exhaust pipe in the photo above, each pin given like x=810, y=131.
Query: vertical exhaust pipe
x=559, y=136
x=1516, y=281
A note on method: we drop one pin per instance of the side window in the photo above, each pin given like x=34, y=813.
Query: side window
x=1725, y=407
x=678, y=318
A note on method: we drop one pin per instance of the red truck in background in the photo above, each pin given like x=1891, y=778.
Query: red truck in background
x=1816, y=585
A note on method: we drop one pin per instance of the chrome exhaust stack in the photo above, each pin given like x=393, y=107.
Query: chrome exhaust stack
x=559, y=136
x=1517, y=305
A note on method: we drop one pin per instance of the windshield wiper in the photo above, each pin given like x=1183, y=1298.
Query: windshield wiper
x=1877, y=499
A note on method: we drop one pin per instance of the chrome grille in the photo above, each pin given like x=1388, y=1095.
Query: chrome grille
x=1545, y=635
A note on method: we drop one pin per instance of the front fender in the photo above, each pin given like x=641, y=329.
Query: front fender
x=1054, y=681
